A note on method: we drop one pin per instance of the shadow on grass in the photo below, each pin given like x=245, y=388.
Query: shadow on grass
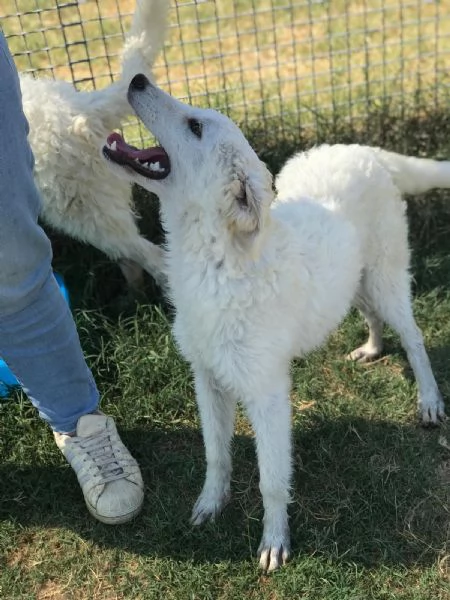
x=365, y=492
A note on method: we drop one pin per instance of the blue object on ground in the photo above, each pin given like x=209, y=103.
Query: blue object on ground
x=62, y=286
x=7, y=378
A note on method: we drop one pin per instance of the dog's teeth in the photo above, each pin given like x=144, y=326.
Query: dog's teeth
x=113, y=146
x=156, y=167
x=138, y=161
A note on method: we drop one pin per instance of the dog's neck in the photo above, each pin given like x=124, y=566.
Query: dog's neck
x=196, y=237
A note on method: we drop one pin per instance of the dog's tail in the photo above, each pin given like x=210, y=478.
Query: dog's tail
x=415, y=175
x=142, y=43
x=145, y=38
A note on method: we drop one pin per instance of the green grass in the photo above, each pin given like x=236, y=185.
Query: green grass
x=370, y=511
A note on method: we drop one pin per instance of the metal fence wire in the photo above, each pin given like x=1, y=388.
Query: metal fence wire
x=276, y=64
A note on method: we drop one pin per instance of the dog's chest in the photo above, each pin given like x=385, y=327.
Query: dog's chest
x=215, y=317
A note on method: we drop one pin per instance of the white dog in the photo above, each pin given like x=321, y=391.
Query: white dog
x=256, y=282
x=80, y=195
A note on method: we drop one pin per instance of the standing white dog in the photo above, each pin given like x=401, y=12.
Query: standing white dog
x=81, y=197
x=255, y=285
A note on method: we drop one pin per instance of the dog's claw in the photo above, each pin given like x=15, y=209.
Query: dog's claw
x=202, y=515
x=273, y=557
x=208, y=508
x=432, y=412
x=433, y=417
x=364, y=354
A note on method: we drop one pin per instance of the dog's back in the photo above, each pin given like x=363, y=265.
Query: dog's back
x=365, y=185
x=353, y=181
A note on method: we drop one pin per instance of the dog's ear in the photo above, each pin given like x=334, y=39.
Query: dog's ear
x=249, y=201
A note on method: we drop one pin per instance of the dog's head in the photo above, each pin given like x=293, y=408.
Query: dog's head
x=204, y=160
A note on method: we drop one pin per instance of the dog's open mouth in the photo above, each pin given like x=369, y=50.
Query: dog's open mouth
x=152, y=163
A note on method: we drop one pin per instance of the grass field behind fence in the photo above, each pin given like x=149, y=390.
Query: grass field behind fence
x=371, y=491
x=281, y=64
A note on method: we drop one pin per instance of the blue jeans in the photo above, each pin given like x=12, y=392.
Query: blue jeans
x=38, y=338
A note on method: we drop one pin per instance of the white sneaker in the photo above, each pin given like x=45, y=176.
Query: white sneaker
x=109, y=476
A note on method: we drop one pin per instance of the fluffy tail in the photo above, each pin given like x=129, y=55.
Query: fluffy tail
x=142, y=43
x=415, y=175
x=145, y=38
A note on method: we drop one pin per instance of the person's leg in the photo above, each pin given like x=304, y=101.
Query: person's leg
x=38, y=338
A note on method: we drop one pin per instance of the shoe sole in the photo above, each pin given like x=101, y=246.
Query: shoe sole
x=114, y=520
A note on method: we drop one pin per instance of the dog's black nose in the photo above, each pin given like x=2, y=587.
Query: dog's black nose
x=139, y=82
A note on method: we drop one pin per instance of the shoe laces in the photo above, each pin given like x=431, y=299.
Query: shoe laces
x=100, y=450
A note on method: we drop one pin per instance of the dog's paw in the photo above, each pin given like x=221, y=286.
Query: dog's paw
x=432, y=410
x=364, y=353
x=209, y=506
x=274, y=553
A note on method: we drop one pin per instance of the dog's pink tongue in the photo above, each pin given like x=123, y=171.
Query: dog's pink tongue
x=118, y=144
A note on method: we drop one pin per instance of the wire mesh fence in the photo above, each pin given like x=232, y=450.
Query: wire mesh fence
x=276, y=64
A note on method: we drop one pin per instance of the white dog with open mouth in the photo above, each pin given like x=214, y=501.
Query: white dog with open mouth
x=257, y=282
x=81, y=197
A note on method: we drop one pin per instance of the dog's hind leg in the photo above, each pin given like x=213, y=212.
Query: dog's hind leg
x=133, y=273
x=217, y=410
x=270, y=415
x=389, y=290
x=374, y=345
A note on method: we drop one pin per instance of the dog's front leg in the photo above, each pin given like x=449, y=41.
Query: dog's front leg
x=271, y=419
x=217, y=411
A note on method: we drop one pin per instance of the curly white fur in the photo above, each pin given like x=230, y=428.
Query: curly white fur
x=67, y=128
x=256, y=282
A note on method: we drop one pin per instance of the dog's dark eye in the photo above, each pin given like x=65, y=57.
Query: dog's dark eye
x=196, y=127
